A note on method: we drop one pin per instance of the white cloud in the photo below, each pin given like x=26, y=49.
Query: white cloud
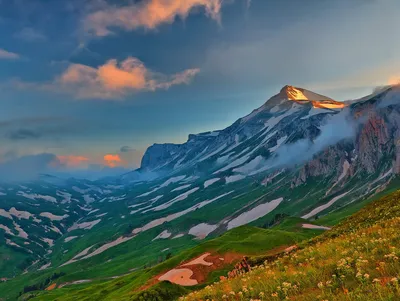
x=29, y=34
x=7, y=55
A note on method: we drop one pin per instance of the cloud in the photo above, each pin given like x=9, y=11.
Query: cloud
x=337, y=128
x=27, y=167
x=394, y=80
x=6, y=55
x=23, y=134
x=30, y=167
x=126, y=149
x=45, y=128
x=131, y=156
x=148, y=14
x=113, y=80
x=248, y=3
x=30, y=35
x=111, y=160
x=73, y=161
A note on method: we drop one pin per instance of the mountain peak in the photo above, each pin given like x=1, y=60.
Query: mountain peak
x=294, y=93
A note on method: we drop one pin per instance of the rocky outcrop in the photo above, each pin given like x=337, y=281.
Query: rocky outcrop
x=373, y=143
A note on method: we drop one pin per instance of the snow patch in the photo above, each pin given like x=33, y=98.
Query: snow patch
x=107, y=246
x=53, y=217
x=84, y=226
x=171, y=217
x=323, y=207
x=68, y=239
x=44, y=267
x=202, y=230
x=181, y=187
x=7, y=230
x=254, y=214
x=278, y=144
x=234, y=178
x=310, y=226
x=34, y=196
x=179, y=198
x=163, y=235
x=210, y=182
x=172, y=180
x=21, y=232
x=218, y=150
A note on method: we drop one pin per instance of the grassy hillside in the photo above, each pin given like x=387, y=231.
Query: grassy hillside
x=244, y=240
x=356, y=260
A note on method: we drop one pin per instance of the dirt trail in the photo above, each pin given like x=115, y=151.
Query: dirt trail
x=51, y=287
x=196, y=270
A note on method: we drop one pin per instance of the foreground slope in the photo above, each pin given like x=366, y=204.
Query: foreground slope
x=356, y=260
x=232, y=246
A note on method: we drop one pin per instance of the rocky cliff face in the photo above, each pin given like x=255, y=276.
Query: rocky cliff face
x=374, y=148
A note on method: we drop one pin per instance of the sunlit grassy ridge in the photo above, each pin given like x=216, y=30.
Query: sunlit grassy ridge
x=245, y=240
x=356, y=260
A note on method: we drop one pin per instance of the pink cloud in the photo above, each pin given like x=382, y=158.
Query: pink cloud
x=6, y=55
x=111, y=160
x=115, y=80
x=394, y=80
x=148, y=14
x=72, y=161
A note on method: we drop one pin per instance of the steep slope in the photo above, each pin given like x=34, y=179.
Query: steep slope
x=289, y=102
x=357, y=260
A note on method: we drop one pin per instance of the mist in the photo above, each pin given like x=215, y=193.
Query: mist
x=338, y=127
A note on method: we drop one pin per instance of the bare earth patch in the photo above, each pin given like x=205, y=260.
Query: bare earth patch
x=196, y=270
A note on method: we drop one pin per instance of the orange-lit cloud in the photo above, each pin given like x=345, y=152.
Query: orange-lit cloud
x=113, y=160
x=148, y=14
x=72, y=161
x=394, y=80
x=7, y=55
x=115, y=80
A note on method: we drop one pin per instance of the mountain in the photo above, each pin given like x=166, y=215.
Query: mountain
x=290, y=103
x=300, y=155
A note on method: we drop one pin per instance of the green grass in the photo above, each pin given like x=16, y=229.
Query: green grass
x=357, y=260
x=244, y=240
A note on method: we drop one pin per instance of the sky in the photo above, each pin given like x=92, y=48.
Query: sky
x=91, y=84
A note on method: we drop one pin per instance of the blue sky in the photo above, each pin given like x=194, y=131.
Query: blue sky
x=83, y=79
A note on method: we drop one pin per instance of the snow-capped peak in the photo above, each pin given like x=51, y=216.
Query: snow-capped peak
x=300, y=94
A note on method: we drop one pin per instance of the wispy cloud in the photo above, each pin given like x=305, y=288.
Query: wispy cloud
x=30, y=34
x=248, y=3
x=27, y=167
x=7, y=55
x=23, y=134
x=126, y=149
x=113, y=80
x=73, y=161
x=148, y=14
